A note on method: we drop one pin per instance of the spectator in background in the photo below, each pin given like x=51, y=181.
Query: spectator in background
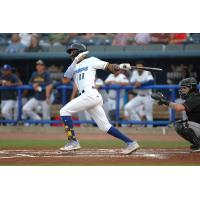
x=142, y=38
x=15, y=46
x=42, y=85
x=178, y=38
x=34, y=45
x=58, y=39
x=160, y=38
x=118, y=79
x=25, y=39
x=123, y=39
x=179, y=72
x=8, y=98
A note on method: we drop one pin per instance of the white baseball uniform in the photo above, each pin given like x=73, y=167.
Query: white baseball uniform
x=143, y=97
x=121, y=78
x=89, y=99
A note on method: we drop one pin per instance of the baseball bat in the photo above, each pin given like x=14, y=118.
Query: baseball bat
x=153, y=69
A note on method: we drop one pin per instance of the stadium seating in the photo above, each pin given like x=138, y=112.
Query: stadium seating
x=96, y=48
x=154, y=47
x=57, y=48
x=114, y=48
x=195, y=38
x=173, y=47
x=133, y=48
x=192, y=47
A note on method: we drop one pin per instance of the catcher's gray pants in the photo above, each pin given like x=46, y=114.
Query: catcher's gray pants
x=195, y=127
x=90, y=101
x=188, y=130
x=32, y=104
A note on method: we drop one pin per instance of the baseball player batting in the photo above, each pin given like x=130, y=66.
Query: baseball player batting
x=83, y=71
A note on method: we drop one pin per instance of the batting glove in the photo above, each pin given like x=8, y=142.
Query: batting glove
x=81, y=56
x=125, y=66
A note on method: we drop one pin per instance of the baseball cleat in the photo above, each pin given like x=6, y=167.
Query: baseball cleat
x=131, y=147
x=195, y=148
x=72, y=145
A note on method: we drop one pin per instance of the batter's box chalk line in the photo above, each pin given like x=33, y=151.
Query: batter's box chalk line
x=98, y=153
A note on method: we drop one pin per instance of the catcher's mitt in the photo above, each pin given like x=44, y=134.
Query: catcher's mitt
x=160, y=98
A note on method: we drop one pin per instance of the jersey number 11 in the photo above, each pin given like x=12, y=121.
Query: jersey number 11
x=81, y=76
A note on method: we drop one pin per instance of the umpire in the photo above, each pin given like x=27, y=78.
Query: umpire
x=190, y=128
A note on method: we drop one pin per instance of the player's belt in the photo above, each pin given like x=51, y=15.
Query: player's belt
x=84, y=90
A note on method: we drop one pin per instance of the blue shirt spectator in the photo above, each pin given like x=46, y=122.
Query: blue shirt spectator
x=15, y=46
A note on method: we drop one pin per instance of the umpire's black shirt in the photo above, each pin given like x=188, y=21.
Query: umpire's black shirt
x=192, y=107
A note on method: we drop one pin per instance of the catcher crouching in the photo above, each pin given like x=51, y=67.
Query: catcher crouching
x=188, y=129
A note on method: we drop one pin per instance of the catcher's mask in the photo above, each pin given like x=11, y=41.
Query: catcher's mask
x=74, y=49
x=187, y=86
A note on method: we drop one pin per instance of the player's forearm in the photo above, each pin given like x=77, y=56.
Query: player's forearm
x=176, y=106
x=65, y=80
x=15, y=84
x=122, y=83
x=112, y=68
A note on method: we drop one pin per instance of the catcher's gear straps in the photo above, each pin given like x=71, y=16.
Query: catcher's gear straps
x=187, y=133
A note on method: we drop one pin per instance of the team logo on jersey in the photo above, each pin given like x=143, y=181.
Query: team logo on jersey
x=81, y=69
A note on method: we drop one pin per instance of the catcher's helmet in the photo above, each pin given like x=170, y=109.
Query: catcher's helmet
x=191, y=83
x=76, y=48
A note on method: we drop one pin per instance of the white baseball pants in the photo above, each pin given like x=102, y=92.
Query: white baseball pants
x=130, y=109
x=7, y=107
x=32, y=104
x=91, y=101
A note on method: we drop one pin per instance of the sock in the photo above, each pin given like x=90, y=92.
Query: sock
x=116, y=133
x=69, y=128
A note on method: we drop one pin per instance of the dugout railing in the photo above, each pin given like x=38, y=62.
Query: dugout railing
x=171, y=90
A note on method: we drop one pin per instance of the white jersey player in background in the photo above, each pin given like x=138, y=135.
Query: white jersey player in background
x=120, y=79
x=140, y=78
x=83, y=71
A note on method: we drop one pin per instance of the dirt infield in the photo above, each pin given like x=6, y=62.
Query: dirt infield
x=95, y=156
x=99, y=157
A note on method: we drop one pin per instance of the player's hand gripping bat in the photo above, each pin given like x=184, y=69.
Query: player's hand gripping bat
x=127, y=66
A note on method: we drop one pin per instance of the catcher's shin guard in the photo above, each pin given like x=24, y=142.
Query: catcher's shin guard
x=187, y=133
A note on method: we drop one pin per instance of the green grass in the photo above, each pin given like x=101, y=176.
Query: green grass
x=87, y=144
